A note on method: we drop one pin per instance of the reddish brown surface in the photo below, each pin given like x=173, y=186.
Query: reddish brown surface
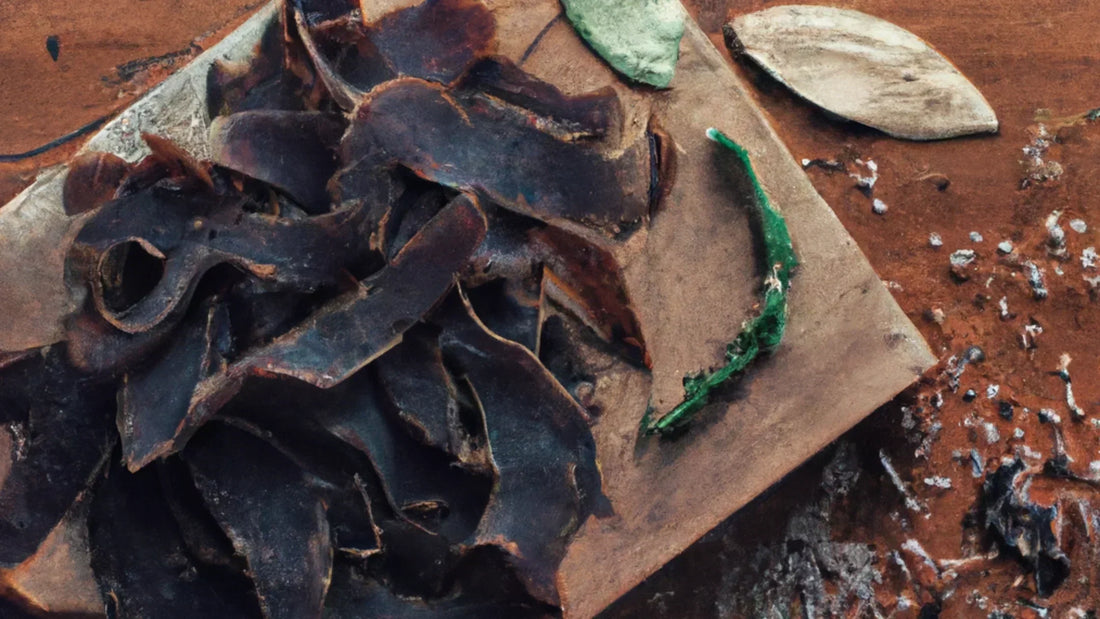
x=1023, y=55
x=110, y=52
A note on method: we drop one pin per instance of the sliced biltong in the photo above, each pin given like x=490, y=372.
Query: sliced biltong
x=545, y=488
x=262, y=502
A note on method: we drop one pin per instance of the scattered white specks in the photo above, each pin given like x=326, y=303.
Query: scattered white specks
x=1056, y=236
x=1028, y=337
x=977, y=464
x=1004, y=247
x=1047, y=415
x=1079, y=226
x=1003, y=304
x=866, y=182
x=1035, y=279
x=1030, y=453
x=992, y=391
x=1063, y=373
x=1095, y=423
x=1089, y=258
x=976, y=236
x=935, y=240
x=878, y=207
x=937, y=400
x=962, y=257
x=910, y=501
x=938, y=482
x=915, y=548
x=19, y=437
x=991, y=433
x=1038, y=169
x=938, y=315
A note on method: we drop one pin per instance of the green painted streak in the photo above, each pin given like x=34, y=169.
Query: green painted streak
x=638, y=38
x=760, y=334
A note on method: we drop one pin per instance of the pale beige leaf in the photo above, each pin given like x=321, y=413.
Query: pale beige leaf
x=865, y=69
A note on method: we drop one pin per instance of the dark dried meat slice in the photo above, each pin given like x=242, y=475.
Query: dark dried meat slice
x=262, y=502
x=587, y=280
x=545, y=488
x=264, y=81
x=96, y=346
x=154, y=398
x=58, y=427
x=183, y=235
x=93, y=179
x=294, y=151
x=423, y=484
x=592, y=114
x=420, y=390
x=423, y=40
x=499, y=153
x=355, y=329
x=513, y=309
x=140, y=561
x=355, y=595
x=199, y=531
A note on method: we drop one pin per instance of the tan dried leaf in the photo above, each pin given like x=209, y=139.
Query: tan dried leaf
x=864, y=69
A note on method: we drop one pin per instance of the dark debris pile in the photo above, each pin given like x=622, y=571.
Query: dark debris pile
x=311, y=375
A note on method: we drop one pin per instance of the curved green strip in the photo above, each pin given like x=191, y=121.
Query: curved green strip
x=758, y=335
x=638, y=38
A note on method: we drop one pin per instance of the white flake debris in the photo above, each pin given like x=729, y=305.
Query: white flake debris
x=915, y=548
x=805, y=162
x=878, y=207
x=910, y=501
x=1079, y=226
x=1004, y=247
x=866, y=182
x=935, y=240
x=1063, y=373
x=992, y=391
x=976, y=236
x=1035, y=279
x=1018, y=434
x=1030, y=453
x=991, y=433
x=1056, y=236
x=1027, y=338
x=938, y=482
x=1089, y=258
x=962, y=257
x=1003, y=304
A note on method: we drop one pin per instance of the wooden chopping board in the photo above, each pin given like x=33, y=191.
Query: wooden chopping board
x=693, y=276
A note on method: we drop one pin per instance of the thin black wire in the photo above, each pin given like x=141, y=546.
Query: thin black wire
x=68, y=137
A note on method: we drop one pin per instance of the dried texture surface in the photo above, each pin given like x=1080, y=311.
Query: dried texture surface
x=865, y=69
x=278, y=524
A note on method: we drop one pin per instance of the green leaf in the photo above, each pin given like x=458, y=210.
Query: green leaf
x=638, y=38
